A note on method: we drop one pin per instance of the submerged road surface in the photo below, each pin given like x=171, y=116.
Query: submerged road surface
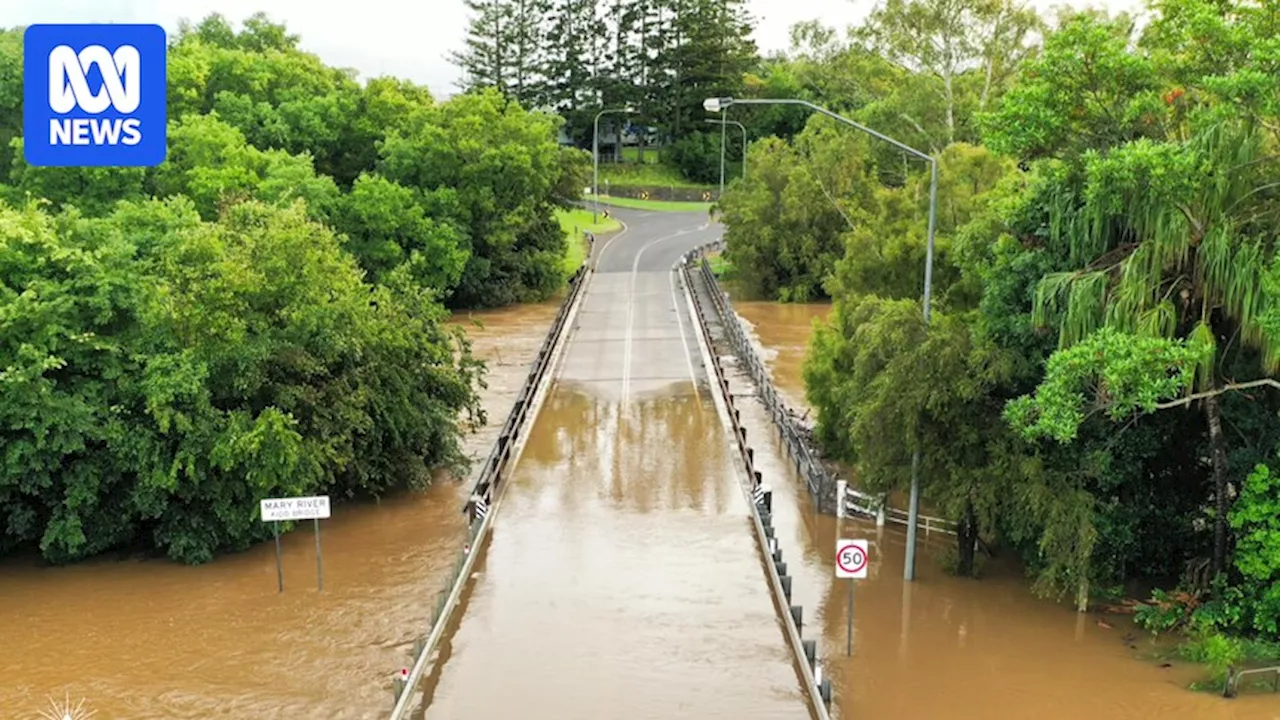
x=622, y=580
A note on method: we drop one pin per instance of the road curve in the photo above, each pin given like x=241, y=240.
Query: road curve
x=621, y=580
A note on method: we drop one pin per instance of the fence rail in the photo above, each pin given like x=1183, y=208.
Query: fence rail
x=481, y=507
x=1233, y=679
x=821, y=485
x=760, y=501
x=860, y=503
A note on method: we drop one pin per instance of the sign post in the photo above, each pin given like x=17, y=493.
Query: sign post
x=279, y=567
x=314, y=508
x=851, y=563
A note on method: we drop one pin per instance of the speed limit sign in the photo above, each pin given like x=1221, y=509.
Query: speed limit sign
x=851, y=559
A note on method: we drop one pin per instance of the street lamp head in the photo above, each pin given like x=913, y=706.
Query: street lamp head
x=630, y=109
x=715, y=105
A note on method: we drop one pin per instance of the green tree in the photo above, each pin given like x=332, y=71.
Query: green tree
x=1171, y=241
x=165, y=373
x=506, y=168
x=386, y=226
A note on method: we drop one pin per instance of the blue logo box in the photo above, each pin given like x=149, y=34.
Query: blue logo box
x=94, y=95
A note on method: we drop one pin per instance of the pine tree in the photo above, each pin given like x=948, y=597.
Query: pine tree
x=524, y=35
x=569, y=63
x=502, y=48
x=483, y=61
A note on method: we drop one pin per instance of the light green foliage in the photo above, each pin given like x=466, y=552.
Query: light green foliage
x=1086, y=90
x=941, y=40
x=261, y=83
x=210, y=162
x=386, y=226
x=885, y=254
x=1112, y=372
x=786, y=222
x=90, y=189
x=1256, y=519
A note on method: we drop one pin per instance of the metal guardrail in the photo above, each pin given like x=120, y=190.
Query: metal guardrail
x=822, y=486
x=481, y=506
x=1233, y=679
x=760, y=501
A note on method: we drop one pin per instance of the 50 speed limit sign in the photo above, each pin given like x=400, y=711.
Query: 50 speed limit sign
x=851, y=559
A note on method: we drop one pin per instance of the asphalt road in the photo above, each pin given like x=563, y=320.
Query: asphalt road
x=633, y=334
x=622, y=580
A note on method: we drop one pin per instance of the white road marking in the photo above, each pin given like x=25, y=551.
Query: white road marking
x=631, y=297
x=684, y=341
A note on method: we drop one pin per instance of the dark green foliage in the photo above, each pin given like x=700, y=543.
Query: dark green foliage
x=168, y=372
x=1097, y=378
x=262, y=314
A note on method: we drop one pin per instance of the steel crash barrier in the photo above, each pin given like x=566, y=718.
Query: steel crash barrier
x=821, y=484
x=780, y=582
x=485, y=494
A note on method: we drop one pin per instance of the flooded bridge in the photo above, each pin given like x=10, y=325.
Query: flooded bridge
x=621, y=579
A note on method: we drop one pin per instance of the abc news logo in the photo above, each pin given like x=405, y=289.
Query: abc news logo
x=94, y=95
x=69, y=89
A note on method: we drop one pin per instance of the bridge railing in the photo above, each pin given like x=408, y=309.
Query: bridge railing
x=761, y=503
x=822, y=486
x=485, y=494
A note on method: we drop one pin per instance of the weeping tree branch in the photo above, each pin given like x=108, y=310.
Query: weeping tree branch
x=1225, y=388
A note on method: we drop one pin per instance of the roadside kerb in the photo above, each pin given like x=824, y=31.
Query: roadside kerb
x=759, y=498
x=487, y=492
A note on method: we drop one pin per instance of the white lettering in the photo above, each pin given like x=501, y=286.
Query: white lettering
x=132, y=131
x=59, y=132
x=106, y=133
x=95, y=131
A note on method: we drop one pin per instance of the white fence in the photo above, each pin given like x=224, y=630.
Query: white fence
x=860, y=503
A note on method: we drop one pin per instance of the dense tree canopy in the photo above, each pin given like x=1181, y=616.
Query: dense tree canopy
x=1095, y=387
x=263, y=313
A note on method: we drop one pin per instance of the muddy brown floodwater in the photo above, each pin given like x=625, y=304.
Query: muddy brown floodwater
x=946, y=647
x=151, y=639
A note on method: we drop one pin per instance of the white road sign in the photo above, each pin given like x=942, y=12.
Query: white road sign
x=851, y=559
x=296, y=508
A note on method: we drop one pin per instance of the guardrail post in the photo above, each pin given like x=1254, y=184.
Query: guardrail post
x=797, y=613
x=841, y=486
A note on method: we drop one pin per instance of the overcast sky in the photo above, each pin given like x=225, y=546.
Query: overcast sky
x=405, y=38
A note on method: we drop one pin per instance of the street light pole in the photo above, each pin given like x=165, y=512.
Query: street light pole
x=595, y=158
x=744, y=140
x=718, y=105
x=721, y=195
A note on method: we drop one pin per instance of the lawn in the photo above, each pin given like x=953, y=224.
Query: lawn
x=575, y=223
x=632, y=155
x=657, y=205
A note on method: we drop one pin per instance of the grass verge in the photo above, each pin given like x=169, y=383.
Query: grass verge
x=656, y=205
x=720, y=267
x=650, y=173
x=574, y=223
